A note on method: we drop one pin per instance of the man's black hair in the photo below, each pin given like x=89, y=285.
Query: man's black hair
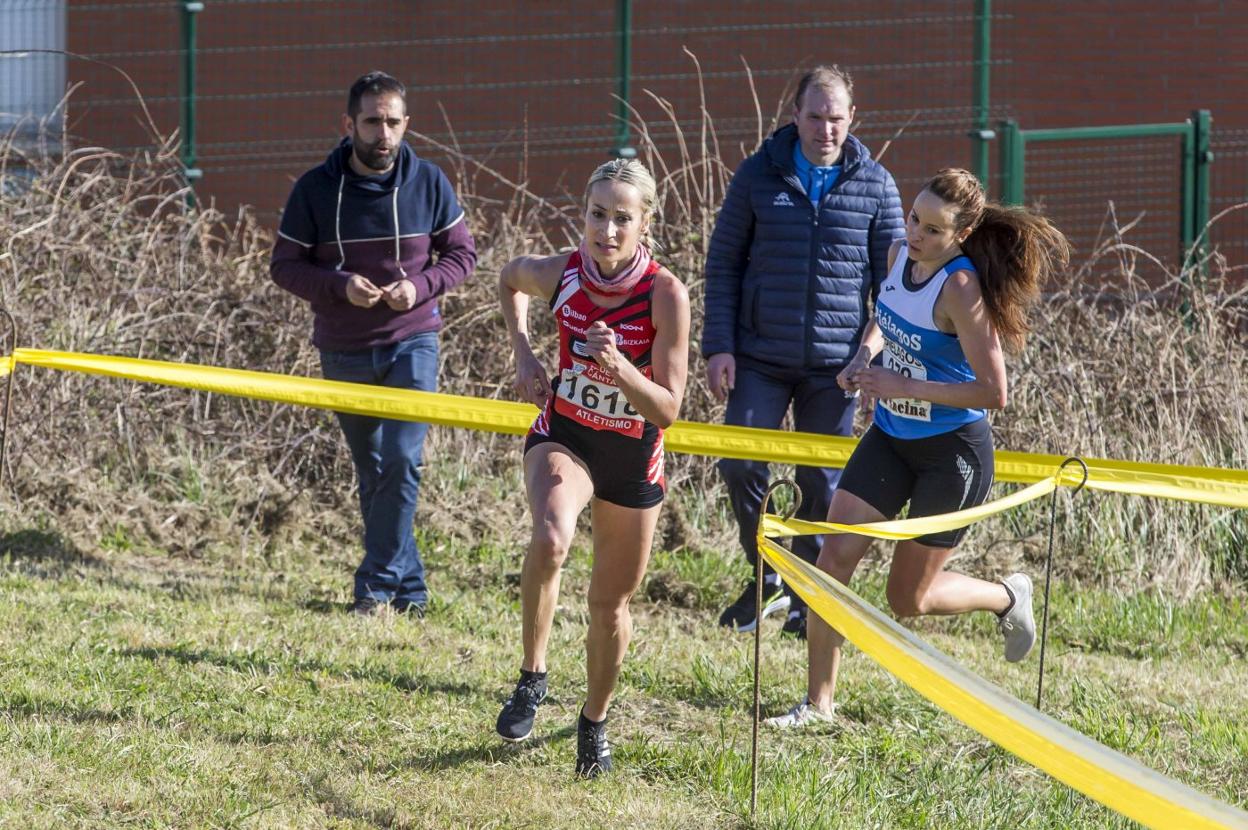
x=374, y=83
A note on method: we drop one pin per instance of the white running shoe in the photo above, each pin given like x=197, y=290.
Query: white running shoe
x=1017, y=625
x=799, y=717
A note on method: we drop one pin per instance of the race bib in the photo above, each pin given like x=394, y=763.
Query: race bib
x=587, y=395
x=897, y=359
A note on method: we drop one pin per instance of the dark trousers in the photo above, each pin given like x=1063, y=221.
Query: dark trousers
x=760, y=398
x=388, y=455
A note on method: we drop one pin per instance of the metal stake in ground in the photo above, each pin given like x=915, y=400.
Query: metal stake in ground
x=1048, y=568
x=758, y=624
x=8, y=390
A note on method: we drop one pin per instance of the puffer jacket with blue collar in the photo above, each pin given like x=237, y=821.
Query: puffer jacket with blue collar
x=788, y=283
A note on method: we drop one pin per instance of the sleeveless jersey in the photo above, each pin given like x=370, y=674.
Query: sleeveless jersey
x=584, y=392
x=915, y=347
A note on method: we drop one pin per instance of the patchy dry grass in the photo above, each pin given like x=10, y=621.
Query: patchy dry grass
x=140, y=691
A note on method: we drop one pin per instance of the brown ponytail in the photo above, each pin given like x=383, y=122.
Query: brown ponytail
x=1015, y=251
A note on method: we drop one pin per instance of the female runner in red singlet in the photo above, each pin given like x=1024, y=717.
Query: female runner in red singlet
x=623, y=352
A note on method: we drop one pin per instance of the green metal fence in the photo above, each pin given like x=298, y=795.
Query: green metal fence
x=539, y=92
x=1229, y=204
x=1126, y=146
x=535, y=90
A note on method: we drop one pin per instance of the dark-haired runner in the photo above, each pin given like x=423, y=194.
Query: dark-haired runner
x=958, y=288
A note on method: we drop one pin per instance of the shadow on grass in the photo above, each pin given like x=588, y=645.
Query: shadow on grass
x=325, y=606
x=491, y=752
x=338, y=805
x=25, y=706
x=48, y=552
x=403, y=681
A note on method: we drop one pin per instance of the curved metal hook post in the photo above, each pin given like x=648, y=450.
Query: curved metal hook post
x=1048, y=565
x=8, y=390
x=758, y=624
x=1074, y=459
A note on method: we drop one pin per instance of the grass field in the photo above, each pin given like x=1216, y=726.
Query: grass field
x=144, y=690
x=174, y=566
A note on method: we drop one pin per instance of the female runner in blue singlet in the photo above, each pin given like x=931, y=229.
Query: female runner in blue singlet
x=958, y=289
x=623, y=324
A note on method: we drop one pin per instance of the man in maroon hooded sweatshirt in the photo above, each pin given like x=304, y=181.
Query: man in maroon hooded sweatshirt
x=371, y=239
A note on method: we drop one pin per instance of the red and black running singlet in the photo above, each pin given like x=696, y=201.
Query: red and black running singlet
x=584, y=392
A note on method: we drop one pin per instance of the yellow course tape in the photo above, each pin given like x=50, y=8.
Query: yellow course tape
x=1115, y=780
x=910, y=528
x=1101, y=773
x=1210, y=485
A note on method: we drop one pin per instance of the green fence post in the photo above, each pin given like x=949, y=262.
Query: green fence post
x=1018, y=166
x=1003, y=158
x=624, y=70
x=981, y=135
x=1203, y=122
x=190, y=11
x=1187, y=191
x=1013, y=163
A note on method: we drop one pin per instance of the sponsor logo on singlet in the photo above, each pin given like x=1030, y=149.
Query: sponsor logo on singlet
x=913, y=342
x=585, y=392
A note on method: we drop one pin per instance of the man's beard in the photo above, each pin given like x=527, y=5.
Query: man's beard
x=375, y=159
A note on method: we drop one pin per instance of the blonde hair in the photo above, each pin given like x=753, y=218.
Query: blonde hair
x=629, y=171
x=1015, y=250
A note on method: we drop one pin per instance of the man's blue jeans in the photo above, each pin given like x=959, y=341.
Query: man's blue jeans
x=760, y=398
x=388, y=455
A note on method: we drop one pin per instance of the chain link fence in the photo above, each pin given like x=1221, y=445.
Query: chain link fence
x=527, y=89
x=257, y=87
x=1228, y=206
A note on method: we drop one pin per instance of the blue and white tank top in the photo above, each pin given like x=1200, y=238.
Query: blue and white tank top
x=915, y=347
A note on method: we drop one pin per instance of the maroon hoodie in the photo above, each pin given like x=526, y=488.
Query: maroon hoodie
x=404, y=224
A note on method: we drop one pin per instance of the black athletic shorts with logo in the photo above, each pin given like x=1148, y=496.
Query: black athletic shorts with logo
x=940, y=474
x=625, y=471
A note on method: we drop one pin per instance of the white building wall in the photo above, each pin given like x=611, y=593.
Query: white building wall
x=31, y=83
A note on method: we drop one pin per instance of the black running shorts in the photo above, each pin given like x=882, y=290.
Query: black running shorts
x=620, y=467
x=941, y=474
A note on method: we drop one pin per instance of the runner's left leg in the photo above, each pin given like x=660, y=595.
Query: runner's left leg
x=622, y=540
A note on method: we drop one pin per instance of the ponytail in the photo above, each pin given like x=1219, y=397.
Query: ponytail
x=1015, y=251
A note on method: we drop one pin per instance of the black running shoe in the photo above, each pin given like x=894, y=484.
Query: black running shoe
x=593, y=752
x=414, y=608
x=515, y=722
x=742, y=614
x=367, y=607
x=795, y=625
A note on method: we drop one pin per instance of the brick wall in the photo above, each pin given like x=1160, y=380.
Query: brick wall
x=527, y=87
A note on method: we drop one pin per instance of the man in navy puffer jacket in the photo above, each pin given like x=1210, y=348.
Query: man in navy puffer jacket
x=799, y=248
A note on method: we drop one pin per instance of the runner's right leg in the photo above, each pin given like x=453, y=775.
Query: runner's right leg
x=559, y=488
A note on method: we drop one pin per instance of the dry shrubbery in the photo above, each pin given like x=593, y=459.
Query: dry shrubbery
x=103, y=254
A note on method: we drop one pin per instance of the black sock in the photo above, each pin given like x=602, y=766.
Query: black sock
x=586, y=723
x=533, y=678
x=1010, y=594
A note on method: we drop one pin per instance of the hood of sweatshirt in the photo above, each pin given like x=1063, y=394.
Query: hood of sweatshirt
x=338, y=167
